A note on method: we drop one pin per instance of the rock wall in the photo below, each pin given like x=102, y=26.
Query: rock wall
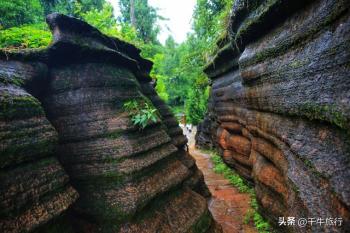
x=127, y=179
x=279, y=109
x=34, y=188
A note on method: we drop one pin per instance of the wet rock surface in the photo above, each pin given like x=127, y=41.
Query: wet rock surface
x=279, y=107
x=228, y=206
x=127, y=179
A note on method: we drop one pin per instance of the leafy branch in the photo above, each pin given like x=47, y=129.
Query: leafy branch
x=141, y=113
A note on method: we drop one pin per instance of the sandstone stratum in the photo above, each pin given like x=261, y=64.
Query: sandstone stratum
x=71, y=159
x=279, y=108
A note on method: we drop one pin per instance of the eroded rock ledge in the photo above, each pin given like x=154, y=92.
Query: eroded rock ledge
x=72, y=161
x=279, y=110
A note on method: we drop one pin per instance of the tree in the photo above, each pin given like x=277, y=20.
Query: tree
x=195, y=105
x=105, y=21
x=209, y=17
x=132, y=14
x=102, y=19
x=142, y=16
x=19, y=12
x=180, y=73
x=89, y=5
x=71, y=7
x=38, y=35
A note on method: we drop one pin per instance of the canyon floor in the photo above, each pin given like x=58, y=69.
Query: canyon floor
x=227, y=205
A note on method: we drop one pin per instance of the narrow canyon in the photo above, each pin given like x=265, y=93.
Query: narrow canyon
x=73, y=160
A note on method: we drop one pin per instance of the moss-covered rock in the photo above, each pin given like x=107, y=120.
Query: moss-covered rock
x=288, y=96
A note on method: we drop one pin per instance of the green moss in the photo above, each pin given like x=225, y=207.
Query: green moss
x=18, y=153
x=267, y=53
x=220, y=167
x=17, y=81
x=312, y=168
x=97, y=204
x=116, y=176
x=19, y=107
x=115, y=134
x=294, y=188
x=202, y=225
x=56, y=226
x=308, y=163
x=29, y=131
x=32, y=166
x=254, y=18
x=32, y=169
x=115, y=77
x=330, y=113
x=103, y=211
x=106, y=180
x=297, y=64
x=291, y=42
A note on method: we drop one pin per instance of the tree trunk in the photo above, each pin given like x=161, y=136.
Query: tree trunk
x=132, y=13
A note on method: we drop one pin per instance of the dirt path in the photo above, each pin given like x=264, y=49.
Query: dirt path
x=227, y=204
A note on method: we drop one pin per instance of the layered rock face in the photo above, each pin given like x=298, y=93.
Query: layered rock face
x=196, y=179
x=128, y=180
x=34, y=187
x=279, y=107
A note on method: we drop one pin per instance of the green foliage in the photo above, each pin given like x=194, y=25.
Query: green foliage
x=27, y=36
x=14, y=13
x=19, y=12
x=89, y=5
x=102, y=19
x=180, y=79
x=324, y=112
x=177, y=68
x=211, y=18
x=221, y=168
x=177, y=110
x=71, y=7
x=179, y=71
x=166, y=70
x=141, y=112
x=145, y=19
x=161, y=88
x=38, y=35
x=195, y=105
x=62, y=6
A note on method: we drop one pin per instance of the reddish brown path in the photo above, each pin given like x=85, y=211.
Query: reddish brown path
x=227, y=204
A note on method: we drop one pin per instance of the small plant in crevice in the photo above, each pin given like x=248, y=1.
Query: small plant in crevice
x=141, y=112
x=221, y=168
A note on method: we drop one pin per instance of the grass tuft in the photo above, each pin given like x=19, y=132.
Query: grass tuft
x=221, y=168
